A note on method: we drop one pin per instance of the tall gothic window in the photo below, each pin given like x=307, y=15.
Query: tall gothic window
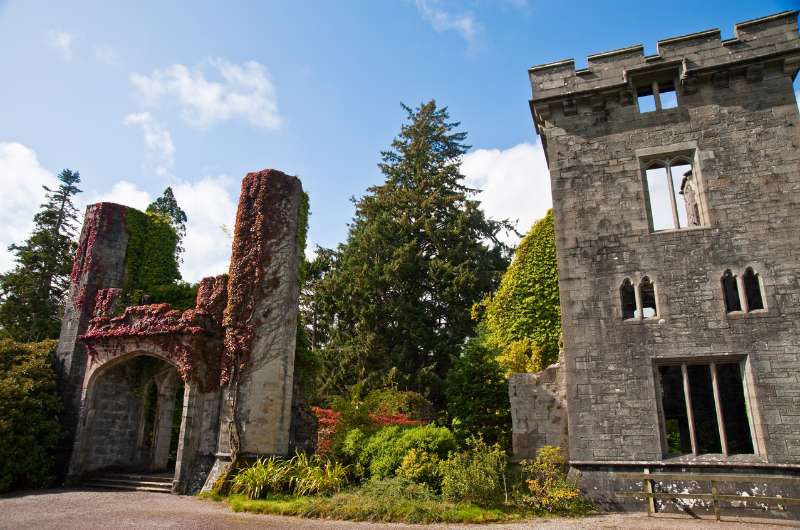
x=731, y=292
x=628, y=299
x=752, y=290
x=672, y=197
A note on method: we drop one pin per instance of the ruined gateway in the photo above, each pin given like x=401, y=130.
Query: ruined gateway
x=676, y=192
x=232, y=355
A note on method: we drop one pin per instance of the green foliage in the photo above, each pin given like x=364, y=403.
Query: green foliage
x=548, y=487
x=391, y=401
x=476, y=475
x=523, y=318
x=399, y=488
x=422, y=467
x=29, y=407
x=167, y=207
x=393, y=301
x=32, y=294
x=383, y=452
x=477, y=395
x=302, y=475
x=150, y=260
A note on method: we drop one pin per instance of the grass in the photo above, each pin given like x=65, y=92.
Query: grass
x=354, y=506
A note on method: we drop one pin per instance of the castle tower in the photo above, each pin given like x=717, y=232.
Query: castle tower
x=681, y=315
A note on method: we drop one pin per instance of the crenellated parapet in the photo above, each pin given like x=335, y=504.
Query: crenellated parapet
x=768, y=44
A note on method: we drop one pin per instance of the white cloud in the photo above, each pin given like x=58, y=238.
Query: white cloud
x=122, y=192
x=60, y=41
x=159, y=148
x=242, y=91
x=442, y=20
x=515, y=183
x=22, y=177
x=209, y=205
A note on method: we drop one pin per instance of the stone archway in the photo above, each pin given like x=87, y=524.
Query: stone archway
x=132, y=418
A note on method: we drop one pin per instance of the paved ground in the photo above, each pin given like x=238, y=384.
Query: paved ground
x=87, y=509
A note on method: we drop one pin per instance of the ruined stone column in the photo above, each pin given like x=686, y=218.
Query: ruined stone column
x=99, y=264
x=261, y=320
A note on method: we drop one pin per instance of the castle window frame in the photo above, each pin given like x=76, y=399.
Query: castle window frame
x=664, y=178
x=705, y=407
x=638, y=301
x=743, y=294
x=657, y=95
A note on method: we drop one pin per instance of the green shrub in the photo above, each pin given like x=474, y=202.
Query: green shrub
x=476, y=475
x=398, y=488
x=390, y=402
x=264, y=476
x=351, y=450
x=384, y=451
x=29, y=407
x=422, y=467
x=315, y=476
x=548, y=487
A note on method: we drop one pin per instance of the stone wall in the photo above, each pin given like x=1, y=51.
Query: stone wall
x=538, y=411
x=737, y=120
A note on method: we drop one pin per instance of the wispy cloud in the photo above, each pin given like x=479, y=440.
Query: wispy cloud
x=242, y=91
x=159, y=148
x=514, y=183
x=60, y=41
x=441, y=19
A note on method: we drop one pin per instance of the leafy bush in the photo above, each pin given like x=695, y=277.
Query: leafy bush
x=264, y=476
x=477, y=395
x=29, y=407
x=398, y=488
x=422, y=467
x=384, y=451
x=476, y=475
x=548, y=485
x=315, y=476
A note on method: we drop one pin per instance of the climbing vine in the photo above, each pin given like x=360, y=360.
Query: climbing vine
x=523, y=318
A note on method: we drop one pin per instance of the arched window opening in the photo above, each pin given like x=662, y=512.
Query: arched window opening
x=628, y=299
x=752, y=290
x=647, y=294
x=731, y=292
x=672, y=193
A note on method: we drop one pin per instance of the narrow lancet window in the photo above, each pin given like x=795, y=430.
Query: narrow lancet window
x=731, y=292
x=752, y=290
x=647, y=293
x=628, y=298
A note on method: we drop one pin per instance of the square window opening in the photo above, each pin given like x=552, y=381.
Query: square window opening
x=672, y=195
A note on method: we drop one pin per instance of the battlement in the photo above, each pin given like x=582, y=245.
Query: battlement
x=763, y=38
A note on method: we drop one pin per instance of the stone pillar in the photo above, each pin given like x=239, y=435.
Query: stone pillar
x=261, y=320
x=99, y=264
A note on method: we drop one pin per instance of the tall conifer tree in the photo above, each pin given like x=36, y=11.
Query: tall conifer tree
x=167, y=206
x=420, y=252
x=32, y=294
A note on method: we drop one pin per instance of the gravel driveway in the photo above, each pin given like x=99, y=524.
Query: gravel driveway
x=90, y=509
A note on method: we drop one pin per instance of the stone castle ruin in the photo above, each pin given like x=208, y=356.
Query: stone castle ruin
x=218, y=377
x=676, y=192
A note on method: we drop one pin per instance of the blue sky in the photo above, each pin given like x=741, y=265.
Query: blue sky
x=141, y=95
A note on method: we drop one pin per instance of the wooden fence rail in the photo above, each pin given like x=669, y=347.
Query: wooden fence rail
x=650, y=495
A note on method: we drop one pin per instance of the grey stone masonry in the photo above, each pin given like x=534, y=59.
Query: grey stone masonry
x=538, y=411
x=736, y=123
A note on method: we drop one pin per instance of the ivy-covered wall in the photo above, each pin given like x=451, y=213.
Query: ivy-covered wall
x=523, y=318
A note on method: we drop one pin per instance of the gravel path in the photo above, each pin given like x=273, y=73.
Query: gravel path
x=89, y=509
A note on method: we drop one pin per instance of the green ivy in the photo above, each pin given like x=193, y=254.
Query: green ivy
x=523, y=318
x=307, y=362
x=152, y=274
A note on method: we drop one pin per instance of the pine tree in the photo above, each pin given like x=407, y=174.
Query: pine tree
x=32, y=294
x=418, y=255
x=167, y=206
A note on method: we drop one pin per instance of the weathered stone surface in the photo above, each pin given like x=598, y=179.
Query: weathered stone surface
x=737, y=119
x=538, y=411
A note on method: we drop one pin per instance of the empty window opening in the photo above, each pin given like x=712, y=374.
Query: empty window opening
x=731, y=292
x=657, y=95
x=704, y=409
x=628, y=298
x=646, y=98
x=668, y=210
x=647, y=294
x=752, y=290
x=667, y=95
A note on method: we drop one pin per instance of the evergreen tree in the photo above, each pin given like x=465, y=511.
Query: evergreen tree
x=32, y=294
x=167, y=206
x=418, y=255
